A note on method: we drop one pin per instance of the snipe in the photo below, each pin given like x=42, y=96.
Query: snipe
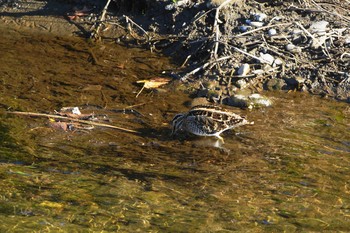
x=207, y=120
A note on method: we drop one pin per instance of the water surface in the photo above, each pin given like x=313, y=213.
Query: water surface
x=288, y=172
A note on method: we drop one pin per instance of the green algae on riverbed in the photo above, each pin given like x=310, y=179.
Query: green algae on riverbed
x=288, y=172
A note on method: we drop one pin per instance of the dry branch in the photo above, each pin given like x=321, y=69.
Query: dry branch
x=96, y=31
x=72, y=119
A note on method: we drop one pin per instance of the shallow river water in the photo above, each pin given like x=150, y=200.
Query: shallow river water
x=290, y=171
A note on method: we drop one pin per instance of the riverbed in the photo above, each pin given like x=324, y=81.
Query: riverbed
x=287, y=172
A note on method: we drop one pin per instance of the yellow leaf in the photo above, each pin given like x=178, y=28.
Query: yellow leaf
x=51, y=204
x=154, y=82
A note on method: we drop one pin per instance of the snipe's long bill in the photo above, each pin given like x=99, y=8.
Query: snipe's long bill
x=207, y=121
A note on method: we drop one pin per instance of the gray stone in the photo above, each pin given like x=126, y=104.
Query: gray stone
x=272, y=32
x=243, y=70
x=257, y=100
x=249, y=101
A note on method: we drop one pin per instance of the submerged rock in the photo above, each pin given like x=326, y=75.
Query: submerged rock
x=258, y=100
x=249, y=101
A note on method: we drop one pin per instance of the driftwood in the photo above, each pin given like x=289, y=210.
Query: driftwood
x=72, y=119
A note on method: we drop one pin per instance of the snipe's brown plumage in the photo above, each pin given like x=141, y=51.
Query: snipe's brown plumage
x=207, y=120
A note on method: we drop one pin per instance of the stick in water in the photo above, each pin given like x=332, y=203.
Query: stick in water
x=72, y=119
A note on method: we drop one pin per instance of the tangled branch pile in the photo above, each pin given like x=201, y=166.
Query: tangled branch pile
x=229, y=45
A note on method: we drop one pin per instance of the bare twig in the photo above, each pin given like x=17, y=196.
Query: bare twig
x=248, y=54
x=204, y=66
x=138, y=26
x=343, y=55
x=220, y=59
x=186, y=60
x=202, y=15
x=136, y=105
x=95, y=33
x=72, y=119
x=140, y=91
x=315, y=40
x=318, y=5
x=216, y=26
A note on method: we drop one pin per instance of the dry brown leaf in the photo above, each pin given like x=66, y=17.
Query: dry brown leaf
x=59, y=125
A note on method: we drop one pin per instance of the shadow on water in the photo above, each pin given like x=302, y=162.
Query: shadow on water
x=288, y=172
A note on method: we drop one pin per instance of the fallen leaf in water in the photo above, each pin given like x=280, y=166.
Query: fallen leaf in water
x=153, y=83
x=51, y=204
x=59, y=125
x=72, y=112
x=121, y=66
x=19, y=173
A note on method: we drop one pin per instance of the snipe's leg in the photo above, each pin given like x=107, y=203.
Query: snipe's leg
x=220, y=138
